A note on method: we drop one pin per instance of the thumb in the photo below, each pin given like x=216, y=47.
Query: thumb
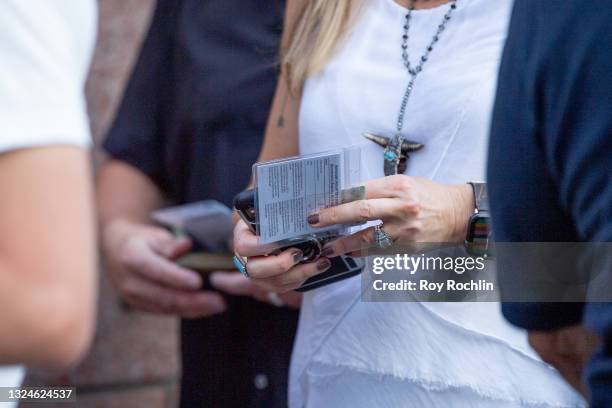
x=172, y=247
x=232, y=283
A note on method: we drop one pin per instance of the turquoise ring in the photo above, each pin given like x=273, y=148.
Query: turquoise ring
x=240, y=264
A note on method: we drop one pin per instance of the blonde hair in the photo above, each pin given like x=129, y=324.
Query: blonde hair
x=319, y=27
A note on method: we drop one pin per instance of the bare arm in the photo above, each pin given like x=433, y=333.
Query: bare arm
x=124, y=194
x=47, y=256
x=281, y=137
x=281, y=134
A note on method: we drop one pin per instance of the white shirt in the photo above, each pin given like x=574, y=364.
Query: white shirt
x=45, y=48
x=45, y=52
x=459, y=351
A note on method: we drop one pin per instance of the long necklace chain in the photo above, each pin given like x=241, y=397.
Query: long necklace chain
x=415, y=71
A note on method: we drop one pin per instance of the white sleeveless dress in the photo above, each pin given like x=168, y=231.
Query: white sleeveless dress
x=350, y=353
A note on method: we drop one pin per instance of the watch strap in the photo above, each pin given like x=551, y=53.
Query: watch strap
x=481, y=196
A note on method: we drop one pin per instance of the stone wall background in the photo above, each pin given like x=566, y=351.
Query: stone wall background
x=134, y=360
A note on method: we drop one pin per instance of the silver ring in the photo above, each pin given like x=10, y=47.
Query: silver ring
x=383, y=240
x=240, y=262
x=275, y=299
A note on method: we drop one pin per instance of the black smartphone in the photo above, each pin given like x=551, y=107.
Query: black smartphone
x=342, y=267
x=244, y=203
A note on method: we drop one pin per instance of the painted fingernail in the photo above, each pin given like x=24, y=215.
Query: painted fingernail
x=297, y=255
x=323, y=264
x=313, y=218
x=327, y=252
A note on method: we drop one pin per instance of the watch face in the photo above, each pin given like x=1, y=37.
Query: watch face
x=479, y=232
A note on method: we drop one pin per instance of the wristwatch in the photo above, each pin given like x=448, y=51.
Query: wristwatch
x=477, y=241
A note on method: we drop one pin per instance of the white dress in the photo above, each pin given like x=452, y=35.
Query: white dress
x=351, y=353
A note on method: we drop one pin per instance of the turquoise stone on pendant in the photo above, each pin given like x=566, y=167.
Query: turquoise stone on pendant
x=390, y=156
x=396, y=151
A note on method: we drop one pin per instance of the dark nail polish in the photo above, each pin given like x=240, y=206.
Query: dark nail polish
x=327, y=252
x=323, y=264
x=298, y=255
x=313, y=219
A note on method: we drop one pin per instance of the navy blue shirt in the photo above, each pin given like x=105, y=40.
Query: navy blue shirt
x=192, y=119
x=550, y=154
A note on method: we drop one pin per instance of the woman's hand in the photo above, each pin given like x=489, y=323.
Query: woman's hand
x=274, y=273
x=412, y=210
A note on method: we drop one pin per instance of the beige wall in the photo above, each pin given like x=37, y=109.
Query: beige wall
x=134, y=361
